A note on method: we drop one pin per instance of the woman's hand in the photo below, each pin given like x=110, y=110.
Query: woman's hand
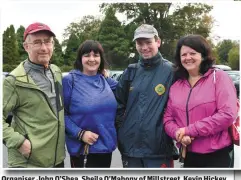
x=180, y=134
x=186, y=140
x=89, y=137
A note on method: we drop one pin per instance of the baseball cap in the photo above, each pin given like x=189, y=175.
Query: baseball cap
x=35, y=27
x=145, y=31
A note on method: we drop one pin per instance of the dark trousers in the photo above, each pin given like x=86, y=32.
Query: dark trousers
x=157, y=162
x=93, y=161
x=223, y=158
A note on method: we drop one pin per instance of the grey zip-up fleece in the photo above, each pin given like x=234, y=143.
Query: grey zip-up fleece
x=43, y=78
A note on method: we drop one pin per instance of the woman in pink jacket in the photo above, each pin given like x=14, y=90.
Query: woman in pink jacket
x=201, y=106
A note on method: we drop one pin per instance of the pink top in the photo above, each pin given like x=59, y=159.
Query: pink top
x=206, y=111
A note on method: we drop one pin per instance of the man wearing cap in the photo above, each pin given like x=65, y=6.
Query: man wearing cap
x=33, y=93
x=142, y=94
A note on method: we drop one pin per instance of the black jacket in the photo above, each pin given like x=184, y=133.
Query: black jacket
x=140, y=111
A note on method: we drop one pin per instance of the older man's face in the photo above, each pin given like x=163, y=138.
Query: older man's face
x=39, y=47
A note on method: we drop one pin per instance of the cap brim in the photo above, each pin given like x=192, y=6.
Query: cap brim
x=37, y=30
x=143, y=36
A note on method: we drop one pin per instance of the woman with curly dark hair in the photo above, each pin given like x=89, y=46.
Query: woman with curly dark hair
x=201, y=106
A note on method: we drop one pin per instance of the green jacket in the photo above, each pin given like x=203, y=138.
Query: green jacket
x=34, y=119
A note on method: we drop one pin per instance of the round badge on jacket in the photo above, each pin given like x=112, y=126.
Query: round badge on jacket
x=160, y=89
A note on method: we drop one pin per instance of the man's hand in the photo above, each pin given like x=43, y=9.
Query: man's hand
x=186, y=140
x=179, y=134
x=106, y=73
x=89, y=137
x=25, y=149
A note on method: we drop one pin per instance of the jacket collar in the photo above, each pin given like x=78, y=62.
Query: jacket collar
x=78, y=72
x=152, y=62
x=20, y=74
x=35, y=66
x=210, y=71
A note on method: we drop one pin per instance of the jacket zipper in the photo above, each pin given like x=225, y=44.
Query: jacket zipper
x=57, y=113
x=187, y=106
x=187, y=111
x=46, y=97
x=49, y=79
x=189, y=98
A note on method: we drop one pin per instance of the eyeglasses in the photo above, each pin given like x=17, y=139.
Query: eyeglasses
x=38, y=43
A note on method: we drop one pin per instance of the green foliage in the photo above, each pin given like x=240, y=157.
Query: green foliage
x=86, y=28
x=71, y=50
x=223, y=48
x=10, y=46
x=65, y=68
x=171, y=21
x=57, y=57
x=112, y=37
x=233, y=58
x=215, y=55
x=192, y=19
x=76, y=33
x=8, y=67
x=22, y=53
x=214, y=51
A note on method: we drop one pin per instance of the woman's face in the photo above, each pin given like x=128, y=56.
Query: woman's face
x=91, y=63
x=190, y=59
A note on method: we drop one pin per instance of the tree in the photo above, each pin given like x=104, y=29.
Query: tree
x=10, y=47
x=192, y=19
x=57, y=57
x=86, y=28
x=233, y=57
x=112, y=37
x=76, y=33
x=214, y=50
x=223, y=49
x=22, y=53
x=171, y=20
x=71, y=49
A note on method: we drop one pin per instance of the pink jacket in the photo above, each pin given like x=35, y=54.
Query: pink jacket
x=206, y=111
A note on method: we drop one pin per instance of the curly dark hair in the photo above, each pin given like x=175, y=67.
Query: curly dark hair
x=86, y=47
x=199, y=44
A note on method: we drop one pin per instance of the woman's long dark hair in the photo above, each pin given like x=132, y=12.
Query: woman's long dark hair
x=86, y=47
x=199, y=44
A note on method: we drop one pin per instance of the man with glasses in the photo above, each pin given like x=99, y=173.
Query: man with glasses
x=142, y=94
x=33, y=93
